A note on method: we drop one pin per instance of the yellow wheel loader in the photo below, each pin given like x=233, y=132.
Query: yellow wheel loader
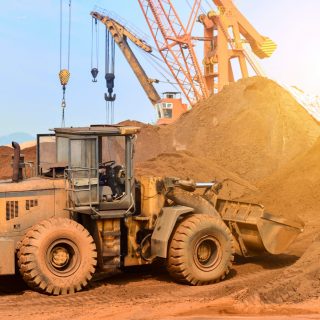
x=84, y=212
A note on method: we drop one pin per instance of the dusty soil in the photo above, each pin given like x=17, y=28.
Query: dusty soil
x=255, y=138
x=252, y=128
x=151, y=294
x=197, y=168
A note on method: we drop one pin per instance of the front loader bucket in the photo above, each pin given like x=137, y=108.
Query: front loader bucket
x=257, y=231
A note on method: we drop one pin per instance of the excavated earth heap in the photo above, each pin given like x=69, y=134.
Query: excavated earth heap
x=252, y=128
x=295, y=284
x=296, y=187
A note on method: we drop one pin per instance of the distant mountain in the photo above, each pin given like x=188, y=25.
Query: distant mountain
x=19, y=137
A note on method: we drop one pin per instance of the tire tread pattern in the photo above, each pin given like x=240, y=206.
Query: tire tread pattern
x=27, y=250
x=176, y=263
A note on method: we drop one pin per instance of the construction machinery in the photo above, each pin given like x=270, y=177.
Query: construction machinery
x=226, y=31
x=84, y=212
x=169, y=108
x=226, y=35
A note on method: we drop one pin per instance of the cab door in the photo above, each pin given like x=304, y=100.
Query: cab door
x=83, y=172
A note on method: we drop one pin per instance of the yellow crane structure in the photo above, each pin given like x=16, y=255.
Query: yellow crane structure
x=227, y=35
x=120, y=34
x=228, y=32
x=170, y=106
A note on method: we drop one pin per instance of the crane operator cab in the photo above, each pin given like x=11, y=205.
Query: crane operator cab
x=97, y=166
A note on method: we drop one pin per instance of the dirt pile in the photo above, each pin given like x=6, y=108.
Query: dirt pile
x=6, y=154
x=295, y=284
x=252, y=128
x=296, y=187
x=151, y=141
x=186, y=165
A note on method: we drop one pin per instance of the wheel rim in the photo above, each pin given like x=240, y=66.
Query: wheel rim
x=207, y=253
x=63, y=257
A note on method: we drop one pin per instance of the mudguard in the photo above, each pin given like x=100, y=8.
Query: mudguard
x=7, y=257
x=164, y=226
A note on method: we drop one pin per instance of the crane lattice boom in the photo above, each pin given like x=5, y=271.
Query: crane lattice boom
x=174, y=43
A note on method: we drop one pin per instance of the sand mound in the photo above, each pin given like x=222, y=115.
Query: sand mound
x=298, y=283
x=296, y=187
x=186, y=165
x=252, y=128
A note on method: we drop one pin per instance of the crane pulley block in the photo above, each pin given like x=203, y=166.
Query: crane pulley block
x=64, y=76
x=110, y=86
x=94, y=73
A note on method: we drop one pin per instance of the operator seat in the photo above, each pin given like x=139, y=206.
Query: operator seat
x=112, y=180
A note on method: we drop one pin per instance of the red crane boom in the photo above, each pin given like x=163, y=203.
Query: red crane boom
x=174, y=42
x=226, y=33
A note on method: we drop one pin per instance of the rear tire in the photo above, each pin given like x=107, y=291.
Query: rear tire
x=201, y=250
x=57, y=256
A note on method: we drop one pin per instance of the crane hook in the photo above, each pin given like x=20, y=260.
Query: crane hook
x=64, y=76
x=94, y=73
x=110, y=85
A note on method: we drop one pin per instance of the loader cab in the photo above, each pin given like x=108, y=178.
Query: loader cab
x=97, y=165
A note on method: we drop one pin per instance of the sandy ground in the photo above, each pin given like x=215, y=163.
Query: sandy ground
x=154, y=296
x=149, y=293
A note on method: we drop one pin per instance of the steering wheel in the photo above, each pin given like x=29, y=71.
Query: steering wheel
x=107, y=163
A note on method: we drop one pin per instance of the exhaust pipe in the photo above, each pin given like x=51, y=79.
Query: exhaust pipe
x=16, y=175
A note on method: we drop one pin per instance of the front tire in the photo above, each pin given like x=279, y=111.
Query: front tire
x=57, y=256
x=201, y=250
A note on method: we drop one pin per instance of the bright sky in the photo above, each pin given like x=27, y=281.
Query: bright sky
x=30, y=92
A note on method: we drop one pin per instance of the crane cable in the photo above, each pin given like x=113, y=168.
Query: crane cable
x=64, y=74
x=109, y=76
x=94, y=49
x=151, y=59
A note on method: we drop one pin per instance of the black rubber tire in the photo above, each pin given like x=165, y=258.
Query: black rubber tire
x=194, y=233
x=41, y=250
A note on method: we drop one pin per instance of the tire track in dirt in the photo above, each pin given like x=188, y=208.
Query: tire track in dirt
x=133, y=289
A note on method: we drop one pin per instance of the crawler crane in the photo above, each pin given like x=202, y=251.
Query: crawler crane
x=226, y=31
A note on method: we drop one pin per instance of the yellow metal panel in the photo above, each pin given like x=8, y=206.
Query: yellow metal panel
x=26, y=203
x=7, y=249
x=152, y=201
